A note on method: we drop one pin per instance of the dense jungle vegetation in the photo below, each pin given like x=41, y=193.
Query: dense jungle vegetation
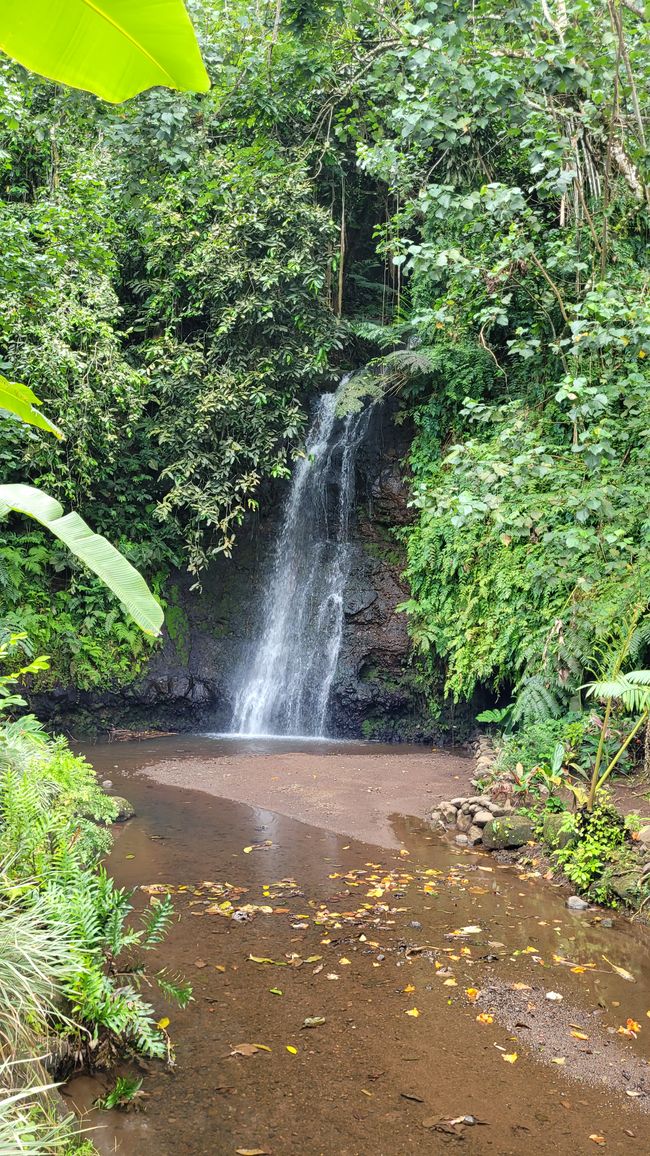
x=450, y=199
x=457, y=191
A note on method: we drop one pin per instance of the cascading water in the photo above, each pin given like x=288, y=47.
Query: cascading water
x=285, y=688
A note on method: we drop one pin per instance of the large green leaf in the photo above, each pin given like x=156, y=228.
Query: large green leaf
x=19, y=400
x=114, y=48
x=92, y=549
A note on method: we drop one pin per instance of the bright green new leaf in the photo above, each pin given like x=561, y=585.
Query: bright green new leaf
x=114, y=48
x=92, y=549
x=19, y=400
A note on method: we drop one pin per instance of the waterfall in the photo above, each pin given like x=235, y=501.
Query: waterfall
x=284, y=689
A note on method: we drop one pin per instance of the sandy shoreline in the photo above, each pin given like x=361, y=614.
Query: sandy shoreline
x=351, y=794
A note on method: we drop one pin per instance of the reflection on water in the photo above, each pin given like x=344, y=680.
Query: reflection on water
x=343, y=1093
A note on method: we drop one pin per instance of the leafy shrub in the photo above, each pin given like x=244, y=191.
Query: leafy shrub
x=602, y=834
x=70, y=955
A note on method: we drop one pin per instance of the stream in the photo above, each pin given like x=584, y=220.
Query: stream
x=364, y=935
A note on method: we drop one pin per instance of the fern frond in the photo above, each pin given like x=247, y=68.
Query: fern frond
x=535, y=702
x=156, y=921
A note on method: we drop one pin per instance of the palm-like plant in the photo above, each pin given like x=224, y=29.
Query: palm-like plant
x=631, y=689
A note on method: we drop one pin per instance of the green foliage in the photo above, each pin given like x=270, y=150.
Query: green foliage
x=52, y=835
x=92, y=549
x=117, y=53
x=123, y=1093
x=601, y=837
x=523, y=242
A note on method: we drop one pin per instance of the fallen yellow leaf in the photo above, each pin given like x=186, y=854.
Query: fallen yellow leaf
x=163, y=1023
x=450, y=983
x=485, y=1018
x=343, y=961
x=290, y=1048
x=471, y=993
x=597, y=1139
x=558, y=1060
x=413, y=1012
x=510, y=1059
x=579, y=1036
x=411, y=987
x=247, y=850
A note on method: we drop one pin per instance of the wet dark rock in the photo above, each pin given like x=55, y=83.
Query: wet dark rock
x=576, y=903
x=190, y=681
x=126, y=810
x=507, y=831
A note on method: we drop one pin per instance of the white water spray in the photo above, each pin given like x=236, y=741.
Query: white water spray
x=285, y=688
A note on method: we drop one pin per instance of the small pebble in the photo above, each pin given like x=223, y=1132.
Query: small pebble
x=575, y=903
x=414, y=923
x=106, y=783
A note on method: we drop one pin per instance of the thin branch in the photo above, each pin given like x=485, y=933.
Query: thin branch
x=556, y=292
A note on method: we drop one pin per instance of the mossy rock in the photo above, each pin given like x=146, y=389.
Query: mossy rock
x=625, y=885
x=507, y=831
x=125, y=809
x=558, y=830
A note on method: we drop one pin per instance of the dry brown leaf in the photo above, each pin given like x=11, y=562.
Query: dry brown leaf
x=248, y=1049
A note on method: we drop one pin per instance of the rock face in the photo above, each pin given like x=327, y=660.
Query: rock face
x=190, y=682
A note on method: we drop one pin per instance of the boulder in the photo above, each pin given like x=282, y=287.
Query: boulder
x=464, y=821
x=448, y=813
x=481, y=817
x=626, y=885
x=508, y=831
x=125, y=811
x=557, y=830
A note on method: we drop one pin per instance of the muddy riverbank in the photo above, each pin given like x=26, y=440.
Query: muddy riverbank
x=362, y=937
x=346, y=787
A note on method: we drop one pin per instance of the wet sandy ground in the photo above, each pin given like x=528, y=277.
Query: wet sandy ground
x=372, y=1079
x=350, y=788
